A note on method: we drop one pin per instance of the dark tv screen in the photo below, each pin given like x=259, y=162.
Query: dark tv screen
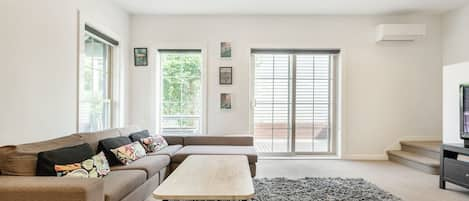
x=464, y=111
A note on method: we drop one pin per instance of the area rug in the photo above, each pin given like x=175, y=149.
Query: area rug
x=319, y=189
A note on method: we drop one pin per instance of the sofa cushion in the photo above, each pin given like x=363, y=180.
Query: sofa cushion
x=219, y=140
x=129, y=153
x=93, y=138
x=249, y=151
x=139, y=135
x=169, y=150
x=95, y=167
x=47, y=160
x=154, y=143
x=107, y=144
x=150, y=164
x=20, y=160
x=118, y=184
x=252, y=168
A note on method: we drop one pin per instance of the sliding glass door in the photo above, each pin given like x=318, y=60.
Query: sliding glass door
x=294, y=102
x=272, y=114
x=313, y=103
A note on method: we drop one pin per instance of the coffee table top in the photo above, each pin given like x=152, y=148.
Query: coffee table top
x=208, y=177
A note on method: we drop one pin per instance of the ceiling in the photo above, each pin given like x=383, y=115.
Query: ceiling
x=288, y=7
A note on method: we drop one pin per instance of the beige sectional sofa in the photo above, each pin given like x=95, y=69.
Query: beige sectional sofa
x=134, y=182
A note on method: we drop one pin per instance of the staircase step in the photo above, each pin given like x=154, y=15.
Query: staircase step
x=427, y=148
x=427, y=145
x=416, y=161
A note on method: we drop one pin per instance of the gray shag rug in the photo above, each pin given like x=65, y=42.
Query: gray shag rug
x=318, y=189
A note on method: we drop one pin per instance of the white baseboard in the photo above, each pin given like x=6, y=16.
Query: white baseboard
x=395, y=146
x=373, y=157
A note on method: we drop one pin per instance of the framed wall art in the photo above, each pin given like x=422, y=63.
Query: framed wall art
x=141, y=56
x=226, y=75
x=225, y=50
x=225, y=101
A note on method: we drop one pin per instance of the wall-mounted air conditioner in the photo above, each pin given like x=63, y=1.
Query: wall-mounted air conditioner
x=400, y=32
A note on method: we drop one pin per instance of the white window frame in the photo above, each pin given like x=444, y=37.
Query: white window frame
x=158, y=87
x=338, y=128
x=117, y=71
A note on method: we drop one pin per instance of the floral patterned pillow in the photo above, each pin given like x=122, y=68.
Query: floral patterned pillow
x=154, y=143
x=129, y=153
x=95, y=167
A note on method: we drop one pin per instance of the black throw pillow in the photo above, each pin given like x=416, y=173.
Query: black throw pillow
x=107, y=144
x=139, y=135
x=47, y=160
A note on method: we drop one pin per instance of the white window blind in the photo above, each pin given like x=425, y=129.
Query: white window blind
x=312, y=103
x=293, y=101
x=272, y=111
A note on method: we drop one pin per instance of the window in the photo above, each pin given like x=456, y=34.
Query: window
x=181, y=92
x=95, y=84
x=294, y=101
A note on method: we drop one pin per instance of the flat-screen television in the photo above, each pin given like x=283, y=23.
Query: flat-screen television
x=464, y=113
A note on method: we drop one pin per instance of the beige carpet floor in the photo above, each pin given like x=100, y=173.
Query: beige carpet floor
x=404, y=182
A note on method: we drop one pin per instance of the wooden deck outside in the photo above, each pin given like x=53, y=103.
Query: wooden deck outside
x=274, y=137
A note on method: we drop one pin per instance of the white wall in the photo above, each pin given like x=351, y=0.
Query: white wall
x=455, y=36
x=391, y=90
x=456, y=70
x=453, y=76
x=38, y=74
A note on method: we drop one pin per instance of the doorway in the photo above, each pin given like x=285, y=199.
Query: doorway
x=294, y=101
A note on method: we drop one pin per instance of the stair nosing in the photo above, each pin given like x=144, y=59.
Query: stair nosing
x=410, y=144
x=435, y=162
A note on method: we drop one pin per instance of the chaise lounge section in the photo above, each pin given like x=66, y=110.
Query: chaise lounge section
x=217, y=145
x=132, y=182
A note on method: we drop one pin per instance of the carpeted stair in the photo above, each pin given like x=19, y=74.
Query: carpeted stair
x=420, y=155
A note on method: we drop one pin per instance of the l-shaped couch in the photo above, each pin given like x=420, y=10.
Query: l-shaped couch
x=133, y=182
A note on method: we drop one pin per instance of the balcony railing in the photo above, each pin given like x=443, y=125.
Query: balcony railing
x=180, y=124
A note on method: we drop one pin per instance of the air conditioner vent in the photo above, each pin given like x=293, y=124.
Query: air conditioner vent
x=400, y=32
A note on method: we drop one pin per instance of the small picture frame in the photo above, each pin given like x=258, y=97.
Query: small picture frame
x=225, y=50
x=226, y=75
x=225, y=101
x=141, y=56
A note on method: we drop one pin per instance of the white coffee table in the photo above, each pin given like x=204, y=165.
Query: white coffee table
x=208, y=177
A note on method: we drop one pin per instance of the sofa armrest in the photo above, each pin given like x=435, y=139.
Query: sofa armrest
x=219, y=140
x=20, y=188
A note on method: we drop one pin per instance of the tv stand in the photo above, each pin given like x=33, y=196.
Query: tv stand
x=466, y=143
x=453, y=170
